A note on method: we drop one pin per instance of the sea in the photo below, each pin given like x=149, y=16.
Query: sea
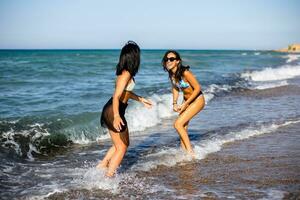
x=51, y=102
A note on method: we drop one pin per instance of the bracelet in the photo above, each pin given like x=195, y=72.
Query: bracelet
x=174, y=103
x=115, y=116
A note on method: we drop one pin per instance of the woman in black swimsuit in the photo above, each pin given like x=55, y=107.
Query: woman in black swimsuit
x=183, y=79
x=114, y=110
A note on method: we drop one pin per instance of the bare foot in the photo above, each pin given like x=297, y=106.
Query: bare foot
x=189, y=153
x=192, y=154
x=110, y=174
x=102, y=165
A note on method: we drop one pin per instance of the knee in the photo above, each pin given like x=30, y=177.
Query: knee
x=122, y=147
x=178, y=125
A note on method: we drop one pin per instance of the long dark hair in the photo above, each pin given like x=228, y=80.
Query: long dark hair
x=180, y=67
x=129, y=59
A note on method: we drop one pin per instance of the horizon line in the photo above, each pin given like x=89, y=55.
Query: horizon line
x=156, y=49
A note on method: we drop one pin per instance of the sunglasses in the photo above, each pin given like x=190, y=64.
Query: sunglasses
x=170, y=59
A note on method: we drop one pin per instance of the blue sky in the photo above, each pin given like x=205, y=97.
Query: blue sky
x=155, y=24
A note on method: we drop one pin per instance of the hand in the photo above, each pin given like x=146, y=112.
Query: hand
x=118, y=122
x=182, y=107
x=147, y=103
x=176, y=107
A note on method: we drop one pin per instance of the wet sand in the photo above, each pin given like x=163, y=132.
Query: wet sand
x=261, y=167
x=265, y=166
x=271, y=92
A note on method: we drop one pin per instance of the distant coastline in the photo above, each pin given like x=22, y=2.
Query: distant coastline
x=293, y=48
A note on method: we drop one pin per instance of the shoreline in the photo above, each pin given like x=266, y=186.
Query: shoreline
x=263, y=166
x=260, y=167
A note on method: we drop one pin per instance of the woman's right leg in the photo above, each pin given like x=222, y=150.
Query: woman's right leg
x=120, y=142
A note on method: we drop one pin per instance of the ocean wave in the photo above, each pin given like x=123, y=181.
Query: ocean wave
x=172, y=156
x=270, y=77
x=30, y=136
x=291, y=57
x=214, y=89
x=273, y=74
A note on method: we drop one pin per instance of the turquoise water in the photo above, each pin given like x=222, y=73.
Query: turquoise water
x=51, y=102
x=52, y=83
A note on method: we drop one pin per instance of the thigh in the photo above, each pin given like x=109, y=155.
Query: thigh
x=107, y=117
x=191, y=111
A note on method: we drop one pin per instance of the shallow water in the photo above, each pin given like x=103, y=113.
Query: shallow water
x=51, y=105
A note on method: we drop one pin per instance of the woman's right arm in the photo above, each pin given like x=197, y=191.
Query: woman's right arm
x=121, y=83
x=175, y=92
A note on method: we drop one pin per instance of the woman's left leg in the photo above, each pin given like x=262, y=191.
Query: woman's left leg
x=121, y=143
x=181, y=141
x=185, y=117
x=103, y=164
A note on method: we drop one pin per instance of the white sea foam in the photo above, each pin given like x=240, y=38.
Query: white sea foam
x=94, y=178
x=213, y=88
x=34, y=133
x=103, y=136
x=172, y=156
x=139, y=117
x=81, y=139
x=269, y=85
x=271, y=77
x=32, y=148
x=83, y=178
x=41, y=197
x=291, y=57
x=274, y=195
x=273, y=74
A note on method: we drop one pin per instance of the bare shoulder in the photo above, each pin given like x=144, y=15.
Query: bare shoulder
x=188, y=74
x=123, y=78
x=125, y=73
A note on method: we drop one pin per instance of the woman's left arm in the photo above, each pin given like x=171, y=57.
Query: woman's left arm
x=194, y=84
x=144, y=101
